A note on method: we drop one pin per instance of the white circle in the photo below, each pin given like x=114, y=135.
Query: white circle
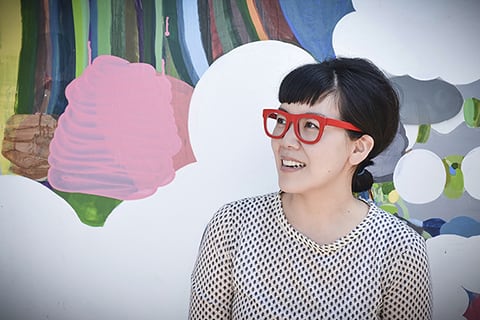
x=225, y=121
x=419, y=176
x=471, y=172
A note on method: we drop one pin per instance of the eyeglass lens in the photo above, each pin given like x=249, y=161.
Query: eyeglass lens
x=277, y=125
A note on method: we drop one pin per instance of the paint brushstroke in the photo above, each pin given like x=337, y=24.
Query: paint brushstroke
x=63, y=54
x=140, y=29
x=313, y=23
x=9, y=57
x=93, y=29
x=242, y=23
x=30, y=12
x=461, y=225
x=427, y=102
x=176, y=60
x=43, y=66
x=132, y=47
x=92, y=210
x=454, y=185
x=117, y=30
x=149, y=25
x=471, y=112
x=118, y=135
x=226, y=34
x=158, y=36
x=26, y=144
x=473, y=310
x=255, y=18
x=210, y=38
x=81, y=21
x=274, y=23
x=104, y=24
x=193, y=39
x=187, y=60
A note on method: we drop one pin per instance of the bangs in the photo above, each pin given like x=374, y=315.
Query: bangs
x=306, y=85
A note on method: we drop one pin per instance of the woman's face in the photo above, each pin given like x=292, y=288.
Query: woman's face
x=311, y=167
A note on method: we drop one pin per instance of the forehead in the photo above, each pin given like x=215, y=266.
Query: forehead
x=327, y=107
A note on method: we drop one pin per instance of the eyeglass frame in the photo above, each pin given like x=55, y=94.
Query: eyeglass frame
x=294, y=118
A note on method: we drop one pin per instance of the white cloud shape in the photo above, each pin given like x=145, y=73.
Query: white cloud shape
x=454, y=262
x=424, y=39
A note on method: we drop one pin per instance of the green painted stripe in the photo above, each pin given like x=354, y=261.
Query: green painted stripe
x=169, y=62
x=149, y=31
x=104, y=23
x=247, y=20
x=170, y=10
x=117, y=32
x=30, y=11
x=81, y=18
x=131, y=32
x=159, y=30
x=471, y=112
x=204, y=22
x=226, y=34
x=423, y=133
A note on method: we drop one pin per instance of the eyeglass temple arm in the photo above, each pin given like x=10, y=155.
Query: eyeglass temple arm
x=342, y=124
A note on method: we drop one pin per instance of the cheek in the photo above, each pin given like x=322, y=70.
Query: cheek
x=274, y=143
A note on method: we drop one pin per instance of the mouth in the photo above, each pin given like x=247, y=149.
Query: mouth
x=293, y=164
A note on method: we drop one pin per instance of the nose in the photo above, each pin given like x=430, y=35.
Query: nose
x=290, y=139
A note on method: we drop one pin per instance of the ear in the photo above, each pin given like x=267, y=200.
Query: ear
x=361, y=148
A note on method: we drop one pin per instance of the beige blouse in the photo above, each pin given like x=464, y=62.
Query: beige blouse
x=252, y=264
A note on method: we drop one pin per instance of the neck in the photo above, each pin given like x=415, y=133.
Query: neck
x=320, y=204
x=323, y=217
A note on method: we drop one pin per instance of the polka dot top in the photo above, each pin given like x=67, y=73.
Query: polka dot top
x=253, y=264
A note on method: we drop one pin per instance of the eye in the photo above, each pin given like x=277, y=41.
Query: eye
x=281, y=120
x=311, y=124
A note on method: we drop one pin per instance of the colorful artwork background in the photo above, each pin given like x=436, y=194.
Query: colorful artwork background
x=211, y=57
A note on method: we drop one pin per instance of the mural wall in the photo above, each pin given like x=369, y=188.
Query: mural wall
x=126, y=124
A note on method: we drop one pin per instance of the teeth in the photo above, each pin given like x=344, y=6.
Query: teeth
x=292, y=164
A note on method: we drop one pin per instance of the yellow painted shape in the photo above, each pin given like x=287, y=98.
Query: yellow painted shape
x=10, y=44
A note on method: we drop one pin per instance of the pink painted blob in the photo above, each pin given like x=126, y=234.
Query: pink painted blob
x=118, y=135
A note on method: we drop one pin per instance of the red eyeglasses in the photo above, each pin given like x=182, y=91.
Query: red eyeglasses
x=308, y=127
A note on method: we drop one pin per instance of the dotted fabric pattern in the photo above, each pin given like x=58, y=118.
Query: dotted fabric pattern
x=253, y=264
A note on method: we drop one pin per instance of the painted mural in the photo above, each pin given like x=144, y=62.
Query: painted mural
x=110, y=106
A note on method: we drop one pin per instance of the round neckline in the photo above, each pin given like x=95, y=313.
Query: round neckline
x=326, y=248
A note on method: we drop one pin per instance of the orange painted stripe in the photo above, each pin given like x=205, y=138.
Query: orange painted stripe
x=262, y=35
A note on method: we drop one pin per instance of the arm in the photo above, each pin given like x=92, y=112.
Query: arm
x=211, y=290
x=409, y=294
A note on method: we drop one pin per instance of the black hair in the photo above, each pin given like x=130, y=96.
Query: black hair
x=364, y=95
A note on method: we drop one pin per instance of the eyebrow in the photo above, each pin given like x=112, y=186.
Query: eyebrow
x=312, y=113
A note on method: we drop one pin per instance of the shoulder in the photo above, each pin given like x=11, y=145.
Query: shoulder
x=245, y=209
x=393, y=233
x=249, y=205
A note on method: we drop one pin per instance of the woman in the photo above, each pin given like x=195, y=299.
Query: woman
x=313, y=250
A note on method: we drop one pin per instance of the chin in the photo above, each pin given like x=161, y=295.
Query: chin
x=290, y=187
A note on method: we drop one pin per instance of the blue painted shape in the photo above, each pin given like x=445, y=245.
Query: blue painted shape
x=192, y=38
x=63, y=53
x=462, y=226
x=186, y=54
x=93, y=30
x=452, y=171
x=312, y=22
x=433, y=225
